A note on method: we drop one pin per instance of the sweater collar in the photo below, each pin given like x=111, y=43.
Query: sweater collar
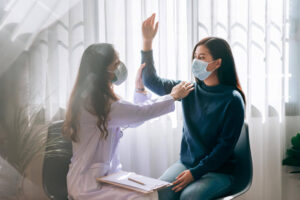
x=215, y=88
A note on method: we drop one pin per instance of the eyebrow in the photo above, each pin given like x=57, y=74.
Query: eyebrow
x=201, y=54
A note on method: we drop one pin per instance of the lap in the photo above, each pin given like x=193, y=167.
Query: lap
x=209, y=186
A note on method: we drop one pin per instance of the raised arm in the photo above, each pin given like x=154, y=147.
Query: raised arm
x=150, y=78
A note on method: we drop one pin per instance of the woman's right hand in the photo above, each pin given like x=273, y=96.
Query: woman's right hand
x=181, y=90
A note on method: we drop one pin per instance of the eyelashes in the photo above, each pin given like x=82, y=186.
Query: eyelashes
x=200, y=58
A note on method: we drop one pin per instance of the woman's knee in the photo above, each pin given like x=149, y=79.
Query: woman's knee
x=209, y=186
x=172, y=172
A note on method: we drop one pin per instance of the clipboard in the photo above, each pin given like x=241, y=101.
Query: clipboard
x=132, y=181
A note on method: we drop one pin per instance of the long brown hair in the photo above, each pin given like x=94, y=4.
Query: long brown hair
x=226, y=73
x=92, y=90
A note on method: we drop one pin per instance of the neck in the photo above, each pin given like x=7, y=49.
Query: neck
x=212, y=80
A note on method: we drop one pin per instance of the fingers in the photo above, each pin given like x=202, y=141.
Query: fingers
x=191, y=89
x=179, y=187
x=150, y=22
x=179, y=180
x=182, y=90
x=188, y=85
x=146, y=22
x=177, y=184
x=185, y=86
x=180, y=85
x=142, y=66
x=152, y=19
x=156, y=28
x=180, y=175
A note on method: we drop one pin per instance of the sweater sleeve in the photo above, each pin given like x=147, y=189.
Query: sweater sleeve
x=233, y=122
x=156, y=84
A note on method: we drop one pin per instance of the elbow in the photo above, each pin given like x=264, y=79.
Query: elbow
x=153, y=84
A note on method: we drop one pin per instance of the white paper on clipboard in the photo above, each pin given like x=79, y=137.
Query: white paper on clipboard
x=121, y=179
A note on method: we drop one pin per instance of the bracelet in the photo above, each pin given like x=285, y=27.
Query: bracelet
x=140, y=89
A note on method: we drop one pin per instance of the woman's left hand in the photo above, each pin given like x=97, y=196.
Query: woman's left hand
x=182, y=180
x=138, y=80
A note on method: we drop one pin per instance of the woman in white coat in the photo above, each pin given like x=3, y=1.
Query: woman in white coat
x=94, y=119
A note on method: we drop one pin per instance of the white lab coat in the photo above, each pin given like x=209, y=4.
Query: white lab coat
x=94, y=157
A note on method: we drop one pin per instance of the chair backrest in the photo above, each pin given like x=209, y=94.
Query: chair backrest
x=243, y=171
x=56, y=163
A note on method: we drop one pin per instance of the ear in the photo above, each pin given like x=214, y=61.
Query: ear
x=218, y=63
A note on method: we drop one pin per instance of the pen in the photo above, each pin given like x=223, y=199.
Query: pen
x=135, y=181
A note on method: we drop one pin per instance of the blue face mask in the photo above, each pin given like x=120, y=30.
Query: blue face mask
x=199, y=69
x=120, y=74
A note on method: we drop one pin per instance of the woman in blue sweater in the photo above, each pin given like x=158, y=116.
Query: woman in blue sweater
x=213, y=118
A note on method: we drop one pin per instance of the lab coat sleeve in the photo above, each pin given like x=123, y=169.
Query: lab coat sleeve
x=141, y=98
x=126, y=114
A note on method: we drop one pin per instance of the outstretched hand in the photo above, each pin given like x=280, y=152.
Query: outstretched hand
x=148, y=29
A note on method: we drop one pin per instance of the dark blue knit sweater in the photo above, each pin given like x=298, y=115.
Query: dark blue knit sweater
x=213, y=119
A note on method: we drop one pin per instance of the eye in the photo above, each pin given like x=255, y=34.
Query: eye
x=200, y=57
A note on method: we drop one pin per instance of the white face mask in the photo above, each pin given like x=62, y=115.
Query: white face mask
x=199, y=69
x=120, y=74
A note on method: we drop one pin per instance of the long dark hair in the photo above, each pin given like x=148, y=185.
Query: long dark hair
x=226, y=73
x=91, y=90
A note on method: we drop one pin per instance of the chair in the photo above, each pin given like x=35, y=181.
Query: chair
x=243, y=171
x=56, y=163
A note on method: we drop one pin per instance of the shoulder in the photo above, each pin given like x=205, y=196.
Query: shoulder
x=236, y=101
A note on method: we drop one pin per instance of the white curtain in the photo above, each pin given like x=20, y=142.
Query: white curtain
x=258, y=32
x=55, y=55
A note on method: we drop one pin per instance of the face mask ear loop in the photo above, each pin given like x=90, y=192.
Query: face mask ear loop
x=210, y=63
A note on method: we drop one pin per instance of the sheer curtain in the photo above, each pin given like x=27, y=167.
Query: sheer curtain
x=55, y=55
x=258, y=32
